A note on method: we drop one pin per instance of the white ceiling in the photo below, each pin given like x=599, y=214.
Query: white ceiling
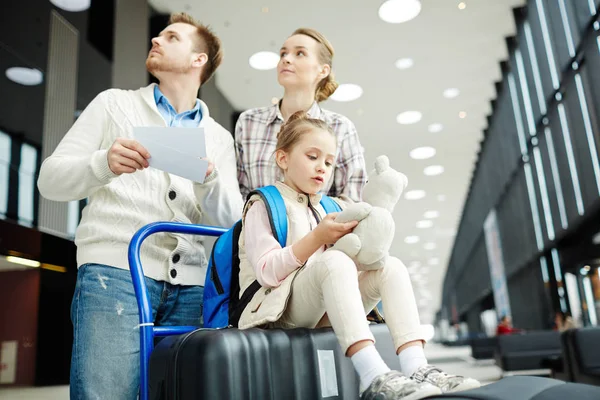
x=451, y=48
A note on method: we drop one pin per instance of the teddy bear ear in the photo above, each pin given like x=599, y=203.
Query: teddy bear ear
x=381, y=164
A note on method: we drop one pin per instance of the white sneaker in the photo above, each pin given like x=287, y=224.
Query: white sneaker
x=394, y=386
x=445, y=382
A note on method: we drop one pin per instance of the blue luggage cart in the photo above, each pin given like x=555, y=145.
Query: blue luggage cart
x=147, y=329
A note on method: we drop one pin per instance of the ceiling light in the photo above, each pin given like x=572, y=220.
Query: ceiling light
x=451, y=93
x=441, y=197
x=414, y=194
x=404, y=63
x=265, y=10
x=274, y=100
x=414, y=264
x=429, y=246
x=462, y=5
x=398, y=11
x=434, y=261
x=433, y=170
x=431, y=214
x=411, y=239
x=23, y=261
x=347, y=92
x=426, y=223
x=264, y=60
x=72, y=5
x=25, y=76
x=462, y=114
x=435, y=128
x=422, y=153
x=409, y=117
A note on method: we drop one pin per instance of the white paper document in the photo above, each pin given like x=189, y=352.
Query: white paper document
x=178, y=151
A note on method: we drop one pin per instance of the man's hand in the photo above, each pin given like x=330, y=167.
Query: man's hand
x=126, y=156
x=211, y=167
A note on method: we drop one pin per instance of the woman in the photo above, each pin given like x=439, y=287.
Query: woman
x=304, y=71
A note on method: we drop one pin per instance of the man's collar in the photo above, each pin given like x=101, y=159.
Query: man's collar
x=159, y=96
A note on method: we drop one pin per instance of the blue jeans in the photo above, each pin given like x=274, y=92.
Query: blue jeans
x=106, y=340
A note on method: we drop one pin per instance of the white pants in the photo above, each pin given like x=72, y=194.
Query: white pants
x=331, y=283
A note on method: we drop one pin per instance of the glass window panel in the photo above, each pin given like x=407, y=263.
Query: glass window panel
x=73, y=218
x=5, y=146
x=27, y=184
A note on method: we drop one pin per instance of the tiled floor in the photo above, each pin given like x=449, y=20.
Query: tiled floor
x=455, y=360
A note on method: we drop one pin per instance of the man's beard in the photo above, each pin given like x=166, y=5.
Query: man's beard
x=156, y=64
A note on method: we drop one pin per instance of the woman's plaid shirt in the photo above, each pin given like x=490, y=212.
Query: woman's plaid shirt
x=256, y=137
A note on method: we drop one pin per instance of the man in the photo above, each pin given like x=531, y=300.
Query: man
x=99, y=159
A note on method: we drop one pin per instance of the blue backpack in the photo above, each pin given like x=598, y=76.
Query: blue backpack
x=222, y=303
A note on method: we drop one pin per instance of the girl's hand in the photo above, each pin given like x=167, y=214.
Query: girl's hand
x=328, y=231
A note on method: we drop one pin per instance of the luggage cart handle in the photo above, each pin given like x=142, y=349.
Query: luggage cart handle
x=147, y=328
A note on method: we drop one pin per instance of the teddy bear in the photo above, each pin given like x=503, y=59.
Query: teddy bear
x=369, y=243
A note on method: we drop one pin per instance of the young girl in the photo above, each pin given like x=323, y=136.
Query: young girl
x=302, y=282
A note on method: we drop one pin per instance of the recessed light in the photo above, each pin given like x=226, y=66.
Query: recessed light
x=274, y=100
x=424, y=224
x=433, y=170
x=462, y=114
x=435, y=128
x=411, y=239
x=347, y=92
x=422, y=153
x=404, y=63
x=23, y=261
x=429, y=246
x=72, y=5
x=264, y=60
x=25, y=76
x=414, y=194
x=462, y=5
x=451, y=93
x=431, y=214
x=434, y=261
x=398, y=11
x=441, y=197
x=409, y=117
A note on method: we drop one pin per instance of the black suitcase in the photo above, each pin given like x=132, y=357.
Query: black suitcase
x=527, y=388
x=300, y=364
x=257, y=364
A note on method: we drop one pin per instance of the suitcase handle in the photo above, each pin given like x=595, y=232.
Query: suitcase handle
x=147, y=329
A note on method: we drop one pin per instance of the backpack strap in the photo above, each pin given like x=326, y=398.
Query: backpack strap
x=329, y=205
x=276, y=210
